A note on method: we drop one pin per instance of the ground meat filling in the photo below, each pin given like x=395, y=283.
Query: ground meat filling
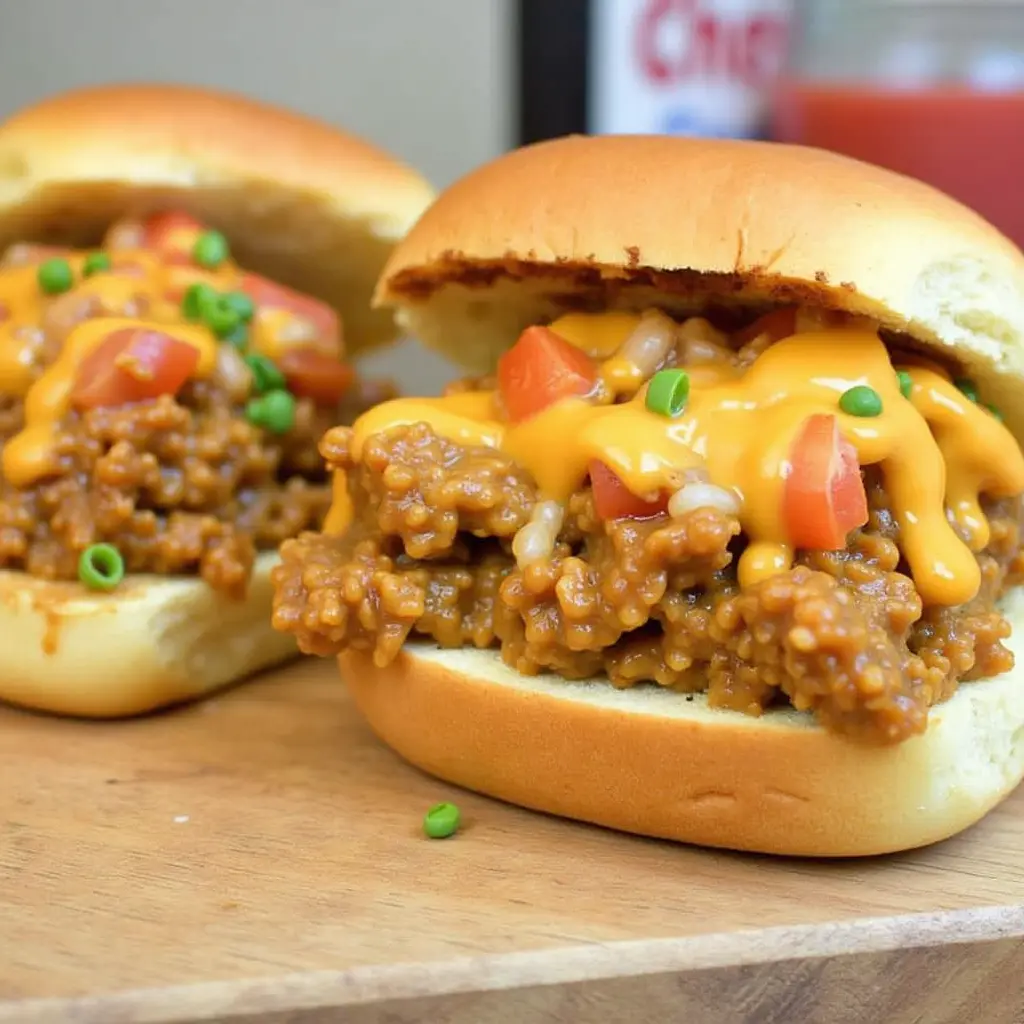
x=181, y=484
x=840, y=635
x=844, y=635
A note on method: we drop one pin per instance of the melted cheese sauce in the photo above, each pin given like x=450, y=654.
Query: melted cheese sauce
x=936, y=450
x=138, y=279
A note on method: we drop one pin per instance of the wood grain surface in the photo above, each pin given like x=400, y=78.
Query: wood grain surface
x=259, y=858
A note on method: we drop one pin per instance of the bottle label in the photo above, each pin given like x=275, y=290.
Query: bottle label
x=684, y=67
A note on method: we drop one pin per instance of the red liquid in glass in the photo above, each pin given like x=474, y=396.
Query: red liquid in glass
x=969, y=144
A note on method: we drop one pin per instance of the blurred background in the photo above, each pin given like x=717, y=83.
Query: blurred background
x=933, y=88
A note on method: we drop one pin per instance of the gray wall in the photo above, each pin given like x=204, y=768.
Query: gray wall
x=428, y=79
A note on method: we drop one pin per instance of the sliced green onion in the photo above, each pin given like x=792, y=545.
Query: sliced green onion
x=266, y=376
x=211, y=250
x=220, y=317
x=241, y=304
x=441, y=821
x=861, y=401
x=197, y=299
x=906, y=383
x=668, y=391
x=55, y=276
x=274, y=411
x=101, y=567
x=967, y=388
x=95, y=263
x=995, y=412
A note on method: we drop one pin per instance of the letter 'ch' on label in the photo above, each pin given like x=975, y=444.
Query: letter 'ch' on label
x=684, y=67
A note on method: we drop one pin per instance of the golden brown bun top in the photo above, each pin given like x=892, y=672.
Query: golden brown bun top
x=299, y=200
x=638, y=219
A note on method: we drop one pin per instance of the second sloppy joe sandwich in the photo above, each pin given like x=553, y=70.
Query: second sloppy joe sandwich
x=184, y=276
x=723, y=542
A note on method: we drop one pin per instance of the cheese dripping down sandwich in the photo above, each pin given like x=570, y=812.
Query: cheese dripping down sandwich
x=720, y=540
x=184, y=277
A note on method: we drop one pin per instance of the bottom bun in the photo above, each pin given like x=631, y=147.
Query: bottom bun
x=653, y=762
x=153, y=642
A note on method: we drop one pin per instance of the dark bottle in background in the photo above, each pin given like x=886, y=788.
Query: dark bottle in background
x=687, y=67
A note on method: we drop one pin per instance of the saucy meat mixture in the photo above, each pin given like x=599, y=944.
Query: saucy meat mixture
x=160, y=407
x=592, y=511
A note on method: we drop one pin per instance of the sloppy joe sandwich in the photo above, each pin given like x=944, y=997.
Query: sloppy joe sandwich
x=721, y=540
x=183, y=274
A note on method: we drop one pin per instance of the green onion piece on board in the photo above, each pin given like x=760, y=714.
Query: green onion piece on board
x=441, y=821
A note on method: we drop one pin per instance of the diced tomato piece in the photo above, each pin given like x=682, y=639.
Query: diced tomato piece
x=130, y=365
x=172, y=230
x=312, y=374
x=540, y=369
x=778, y=324
x=613, y=500
x=823, y=498
x=265, y=292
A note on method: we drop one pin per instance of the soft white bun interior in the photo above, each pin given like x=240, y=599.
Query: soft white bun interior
x=151, y=643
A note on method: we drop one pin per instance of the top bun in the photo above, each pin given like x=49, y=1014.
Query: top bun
x=634, y=220
x=300, y=201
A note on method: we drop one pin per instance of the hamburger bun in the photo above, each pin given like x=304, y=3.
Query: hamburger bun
x=625, y=223
x=300, y=201
x=659, y=763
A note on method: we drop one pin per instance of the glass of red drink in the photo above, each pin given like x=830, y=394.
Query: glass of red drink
x=930, y=88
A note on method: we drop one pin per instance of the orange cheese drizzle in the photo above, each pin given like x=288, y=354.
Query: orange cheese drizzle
x=29, y=455
x=935, y=449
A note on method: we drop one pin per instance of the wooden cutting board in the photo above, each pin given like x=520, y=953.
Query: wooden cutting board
x=259, y=858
